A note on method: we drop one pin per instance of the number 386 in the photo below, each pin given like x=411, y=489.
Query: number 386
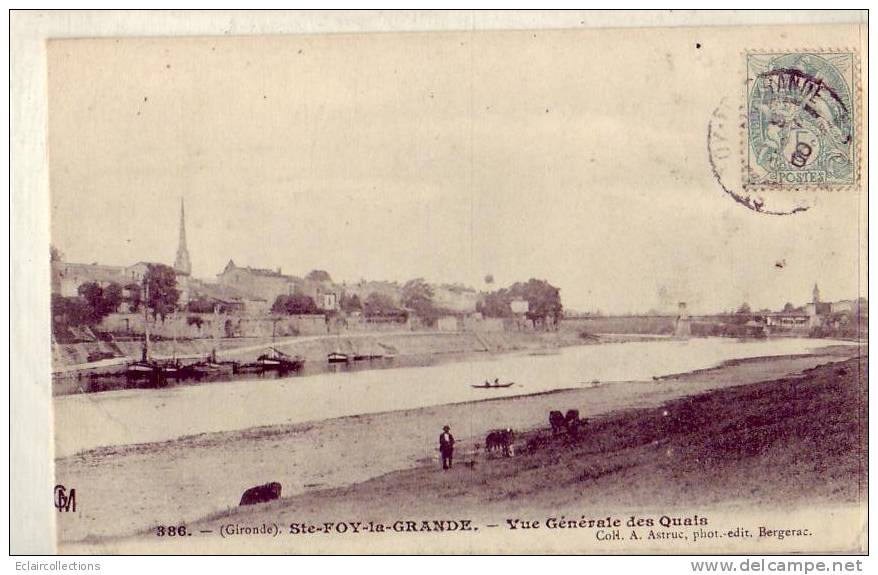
x=170, y=531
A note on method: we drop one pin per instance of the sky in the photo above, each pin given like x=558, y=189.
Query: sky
x=577, y=157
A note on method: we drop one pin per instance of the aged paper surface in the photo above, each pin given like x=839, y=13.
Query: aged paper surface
x=508, y=291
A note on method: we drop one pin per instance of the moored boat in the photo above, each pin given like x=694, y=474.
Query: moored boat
x=252, y=367
x=338, y=357
x=273, y=358
x=207, y=368
x=142, y=368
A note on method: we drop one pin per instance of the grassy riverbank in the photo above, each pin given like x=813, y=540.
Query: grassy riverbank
x=707, y=450
x=797, y=440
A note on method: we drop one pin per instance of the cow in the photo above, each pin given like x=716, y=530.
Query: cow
x=572, y=421
x=499, y=440
x=557, y=421
x=261, y=494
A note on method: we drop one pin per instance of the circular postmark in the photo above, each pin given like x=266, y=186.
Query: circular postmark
x=725, y=152
x=794, y=133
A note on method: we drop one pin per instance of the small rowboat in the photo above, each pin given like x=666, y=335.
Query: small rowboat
x=494, y=385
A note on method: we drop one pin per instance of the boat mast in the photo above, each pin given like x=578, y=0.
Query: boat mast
x=174, y=347
x=215, y=332
x=145, y=304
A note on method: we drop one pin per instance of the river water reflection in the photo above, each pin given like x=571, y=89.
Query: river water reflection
x=86, y=421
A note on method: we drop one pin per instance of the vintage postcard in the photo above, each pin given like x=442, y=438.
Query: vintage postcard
x=590, y=291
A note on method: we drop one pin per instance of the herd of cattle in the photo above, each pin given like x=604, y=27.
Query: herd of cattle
x=497, y=442
x=502, y=441
x=568, y=422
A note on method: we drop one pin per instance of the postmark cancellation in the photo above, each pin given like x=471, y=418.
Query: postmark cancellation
x=801, y=120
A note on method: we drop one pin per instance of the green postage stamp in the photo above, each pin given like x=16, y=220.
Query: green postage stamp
x=801, y=120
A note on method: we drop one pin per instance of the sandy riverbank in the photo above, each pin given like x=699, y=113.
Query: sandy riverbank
x=131, y=488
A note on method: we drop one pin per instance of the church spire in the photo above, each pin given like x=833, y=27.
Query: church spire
x=182, y=263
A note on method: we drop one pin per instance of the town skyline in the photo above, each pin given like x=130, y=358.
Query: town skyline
x=182, y=263
x=293, y=153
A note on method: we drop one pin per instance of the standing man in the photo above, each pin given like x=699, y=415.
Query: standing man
x=446, y=447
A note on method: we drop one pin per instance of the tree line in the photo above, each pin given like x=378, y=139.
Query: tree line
x=543, y=301
x=95, y=302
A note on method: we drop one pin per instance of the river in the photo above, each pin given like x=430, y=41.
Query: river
x=87, y=421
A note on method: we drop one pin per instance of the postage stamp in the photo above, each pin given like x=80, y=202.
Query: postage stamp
x=801, y=120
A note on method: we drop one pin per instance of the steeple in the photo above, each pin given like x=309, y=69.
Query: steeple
x=815, y=295
x=182, y=264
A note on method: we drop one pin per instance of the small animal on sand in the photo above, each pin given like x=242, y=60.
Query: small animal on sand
x=261, y=493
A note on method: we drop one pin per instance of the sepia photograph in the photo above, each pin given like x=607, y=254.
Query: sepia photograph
x=576, y=290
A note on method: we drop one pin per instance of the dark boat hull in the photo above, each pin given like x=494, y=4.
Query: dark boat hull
x=151, y=369
x=207, y=369
x=261, y=365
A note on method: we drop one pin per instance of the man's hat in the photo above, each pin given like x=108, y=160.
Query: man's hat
x=446, y=428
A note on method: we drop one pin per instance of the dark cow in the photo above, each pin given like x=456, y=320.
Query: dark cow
x=500, y=440
x=557, y=421
x=572, y=421
x=261, y=494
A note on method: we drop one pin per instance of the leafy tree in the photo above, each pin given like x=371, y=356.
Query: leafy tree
x=100, y=302
x=112, y=298
x=201, y=304
x=92, y=293
x=162, y=292
x=69, y=312
x=280, y=304
x=296, y=304
x=544, y=301
x=55, y=255
x=350, y=303
x=742, y=315
x=489, y=279
x=318, y=276
x=417, y=295
x=135, y=297
x=495, y=304
x=381, y=305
